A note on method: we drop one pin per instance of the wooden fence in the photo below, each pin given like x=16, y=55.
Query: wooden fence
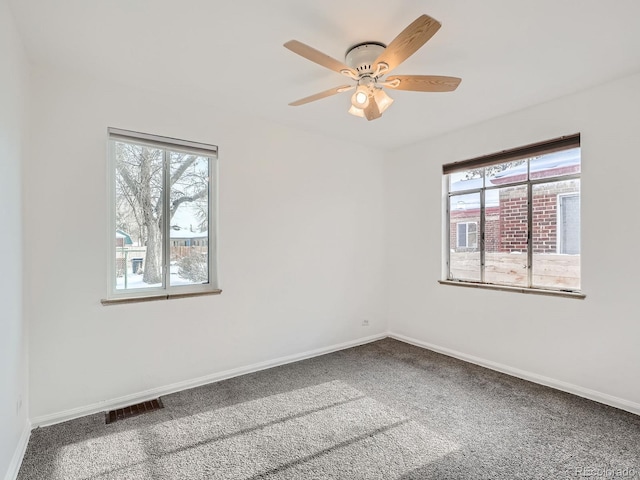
x=549, y=270
x=132, y=259
x=182, y=251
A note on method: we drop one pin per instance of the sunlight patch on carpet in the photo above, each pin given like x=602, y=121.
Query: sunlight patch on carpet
x=323, y=431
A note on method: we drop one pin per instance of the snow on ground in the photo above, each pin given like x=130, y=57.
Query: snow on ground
x=134, y=280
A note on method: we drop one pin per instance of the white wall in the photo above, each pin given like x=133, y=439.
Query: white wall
x=301, y=248
x=316, y=235
x=13, y=342
x=593, y=344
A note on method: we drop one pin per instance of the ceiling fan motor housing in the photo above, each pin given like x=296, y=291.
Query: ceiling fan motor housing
x=361, y=57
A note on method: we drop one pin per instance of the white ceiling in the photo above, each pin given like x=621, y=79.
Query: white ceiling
x=509, y=54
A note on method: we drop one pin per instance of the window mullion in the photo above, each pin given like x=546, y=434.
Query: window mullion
x=481, y=243
x=166, y=223
x=448, y=235
x=529, y=235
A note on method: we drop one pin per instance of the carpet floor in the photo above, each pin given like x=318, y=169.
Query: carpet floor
x=385, y=410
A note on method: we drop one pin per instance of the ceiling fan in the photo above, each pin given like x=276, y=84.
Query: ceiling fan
x=368, y=62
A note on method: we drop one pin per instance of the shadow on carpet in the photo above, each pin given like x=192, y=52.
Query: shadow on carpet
x=386, y=410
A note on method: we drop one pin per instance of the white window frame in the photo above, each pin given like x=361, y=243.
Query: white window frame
x=165, y=291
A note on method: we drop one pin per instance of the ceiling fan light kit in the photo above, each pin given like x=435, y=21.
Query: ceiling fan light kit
x=382, y=99
x=358, y=112
x=360, y=99
x=366, y=63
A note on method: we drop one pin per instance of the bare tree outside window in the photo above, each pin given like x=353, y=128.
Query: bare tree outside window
x=162, y=202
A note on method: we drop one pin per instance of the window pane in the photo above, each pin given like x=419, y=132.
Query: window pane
x=139, y=234
x=462, y=235
x=467, y=180
x=506, y=173
x=464, y=218
x=189, y=219
x=506, y=236
x=565, y=162
x=556, y=234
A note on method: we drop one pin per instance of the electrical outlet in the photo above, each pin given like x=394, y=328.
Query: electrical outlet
x=365, y=323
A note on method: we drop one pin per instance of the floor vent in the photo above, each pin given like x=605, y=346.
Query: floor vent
x=133, y=410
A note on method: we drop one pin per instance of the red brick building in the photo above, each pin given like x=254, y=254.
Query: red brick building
x=555, y=209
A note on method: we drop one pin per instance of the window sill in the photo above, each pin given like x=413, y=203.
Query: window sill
x=505, y=288
x=151, y=298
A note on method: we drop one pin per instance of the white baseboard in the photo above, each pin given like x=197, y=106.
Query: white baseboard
x=532, y=377
x=18, y=454
x=139, y=397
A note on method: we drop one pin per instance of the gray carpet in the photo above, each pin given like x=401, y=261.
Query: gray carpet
x=386, y=410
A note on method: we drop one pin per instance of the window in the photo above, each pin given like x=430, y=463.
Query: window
x=467, y=235
x=163, y=217
x=569, y=224
x=513, y=218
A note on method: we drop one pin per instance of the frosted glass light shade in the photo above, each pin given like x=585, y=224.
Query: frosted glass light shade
x=358, y=112
x=382, y=99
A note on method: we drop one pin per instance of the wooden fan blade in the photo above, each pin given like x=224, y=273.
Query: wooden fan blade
x=424, y=83
x=371, y=111
x=409, y=41
x=318, y=96
x=317, y=57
